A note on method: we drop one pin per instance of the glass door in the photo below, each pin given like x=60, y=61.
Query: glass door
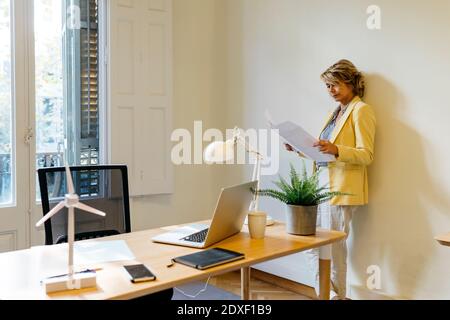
x=15, y=135
x=50, y=102
x=6, y=107
x=67, y=95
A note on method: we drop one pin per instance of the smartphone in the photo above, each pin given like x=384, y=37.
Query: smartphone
x=139, y=273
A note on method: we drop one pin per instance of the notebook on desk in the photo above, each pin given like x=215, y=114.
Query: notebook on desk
x=228, y=219
x=209, y=258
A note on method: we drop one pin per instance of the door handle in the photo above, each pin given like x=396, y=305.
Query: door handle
x=29, y=135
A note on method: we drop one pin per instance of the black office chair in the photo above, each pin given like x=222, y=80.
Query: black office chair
x=103, y=187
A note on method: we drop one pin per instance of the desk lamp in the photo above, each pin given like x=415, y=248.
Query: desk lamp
x=71, y=280
x=220, y=152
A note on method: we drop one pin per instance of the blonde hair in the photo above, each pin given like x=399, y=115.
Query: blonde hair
x=346, y=72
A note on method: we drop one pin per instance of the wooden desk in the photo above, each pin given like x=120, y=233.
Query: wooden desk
x=444, y=239
x=21, y=271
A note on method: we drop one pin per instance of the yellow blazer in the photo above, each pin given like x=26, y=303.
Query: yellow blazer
x=354, y=137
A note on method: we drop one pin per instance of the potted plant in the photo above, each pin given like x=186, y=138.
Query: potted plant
x=302, y=197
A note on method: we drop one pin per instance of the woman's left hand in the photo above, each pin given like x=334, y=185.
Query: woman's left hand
x=326, y=146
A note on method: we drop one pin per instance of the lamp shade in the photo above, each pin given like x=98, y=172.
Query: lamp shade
x=219, y=152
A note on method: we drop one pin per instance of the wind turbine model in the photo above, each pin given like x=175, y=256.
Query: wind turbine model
x=71, y=280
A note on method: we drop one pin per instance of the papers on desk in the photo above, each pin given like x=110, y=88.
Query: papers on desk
x=95, y=252
x=300, y=140
x=52, y=260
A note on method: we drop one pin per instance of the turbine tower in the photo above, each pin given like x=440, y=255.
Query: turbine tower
x=72, y=280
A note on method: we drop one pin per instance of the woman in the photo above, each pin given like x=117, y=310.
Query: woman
x=348, y=135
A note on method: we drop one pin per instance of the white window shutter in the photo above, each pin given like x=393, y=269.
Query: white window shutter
x=140, y=88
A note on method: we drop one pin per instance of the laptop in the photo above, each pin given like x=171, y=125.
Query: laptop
x=228, y=219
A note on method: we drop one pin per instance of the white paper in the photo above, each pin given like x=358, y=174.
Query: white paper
x=95, y=252
x=49, y=261
x=300, y=140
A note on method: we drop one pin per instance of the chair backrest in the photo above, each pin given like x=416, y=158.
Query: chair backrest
x=103, y=187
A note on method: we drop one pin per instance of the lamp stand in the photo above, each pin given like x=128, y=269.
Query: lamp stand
x=223, y=151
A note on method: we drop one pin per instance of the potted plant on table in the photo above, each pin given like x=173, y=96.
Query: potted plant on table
x=302, y=197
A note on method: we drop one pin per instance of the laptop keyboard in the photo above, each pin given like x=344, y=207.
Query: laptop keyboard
x=197, y=237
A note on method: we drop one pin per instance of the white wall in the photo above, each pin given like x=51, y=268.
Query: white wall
x=198, y=95
x=235, y=58
x=276, y=50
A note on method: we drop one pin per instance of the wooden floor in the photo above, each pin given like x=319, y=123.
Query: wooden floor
x=259, y=290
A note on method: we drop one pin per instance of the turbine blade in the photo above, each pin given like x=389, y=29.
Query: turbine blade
x=69, y=180
x=51, y=213
x=84, y=207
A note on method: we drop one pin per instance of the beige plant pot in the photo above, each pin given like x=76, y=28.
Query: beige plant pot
x=301, y=220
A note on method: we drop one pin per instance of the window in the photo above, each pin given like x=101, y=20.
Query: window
x=50, y=99
x=49, y=83
x=67, y=82
x=6, y=123
x=82, y=47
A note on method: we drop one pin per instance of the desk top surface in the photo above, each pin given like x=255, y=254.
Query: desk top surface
x=21, y=271
x=444, y=239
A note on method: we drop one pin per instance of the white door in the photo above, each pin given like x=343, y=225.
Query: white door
x=14, y=130
x=66, y=89
x=47, y=92
x=36, y=122
x=49, y=98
